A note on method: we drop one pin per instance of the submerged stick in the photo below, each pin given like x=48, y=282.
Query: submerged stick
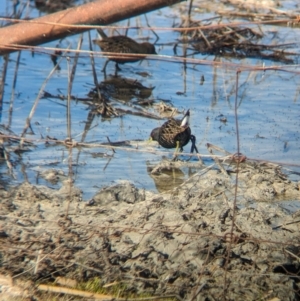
x=40, y=94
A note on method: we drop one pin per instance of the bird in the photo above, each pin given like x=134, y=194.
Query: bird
x=175, y=133
x=123, y=45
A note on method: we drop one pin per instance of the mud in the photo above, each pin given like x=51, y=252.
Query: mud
x=193, y=243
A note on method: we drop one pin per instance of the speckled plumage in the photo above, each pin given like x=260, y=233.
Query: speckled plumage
x=124, y=45
x=174, y=133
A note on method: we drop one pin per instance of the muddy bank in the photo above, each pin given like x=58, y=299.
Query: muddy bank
x=191, y=243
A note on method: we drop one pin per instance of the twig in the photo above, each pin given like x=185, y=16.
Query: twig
x=110, y=144
x=70, y=84
x=156, y=35
x=69, y=291
x=292, y=254
x=13, y=90
x=40, y=94
x=3, y=77
x=38, y=259
x=282, y=225
x=8, y=163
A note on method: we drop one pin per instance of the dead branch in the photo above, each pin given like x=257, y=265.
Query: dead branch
x=72, y=21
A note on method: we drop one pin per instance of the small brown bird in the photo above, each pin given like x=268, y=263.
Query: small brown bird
x=123, y=45
x=175, y=133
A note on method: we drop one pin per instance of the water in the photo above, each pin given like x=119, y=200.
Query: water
x=268, y=107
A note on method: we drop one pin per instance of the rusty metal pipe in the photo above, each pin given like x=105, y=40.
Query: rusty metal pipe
x=61, y=24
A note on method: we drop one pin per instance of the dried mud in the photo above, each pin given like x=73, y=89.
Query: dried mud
x=191, y=243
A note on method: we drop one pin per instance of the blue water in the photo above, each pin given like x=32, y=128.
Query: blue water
x=268, y=107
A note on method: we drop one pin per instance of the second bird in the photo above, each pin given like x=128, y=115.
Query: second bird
x=123, y=45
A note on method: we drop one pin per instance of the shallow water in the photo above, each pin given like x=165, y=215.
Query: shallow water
x=268, y=106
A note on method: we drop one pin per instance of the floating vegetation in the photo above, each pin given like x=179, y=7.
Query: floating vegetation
x=237, y=42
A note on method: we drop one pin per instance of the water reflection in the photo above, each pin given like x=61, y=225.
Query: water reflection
x=167, y=178
x=116, y=90
x=122, y=89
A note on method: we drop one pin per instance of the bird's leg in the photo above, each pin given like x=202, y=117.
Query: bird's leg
x=104, y=68
x=176, y=151
x=194, y=147
x=117, y=67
